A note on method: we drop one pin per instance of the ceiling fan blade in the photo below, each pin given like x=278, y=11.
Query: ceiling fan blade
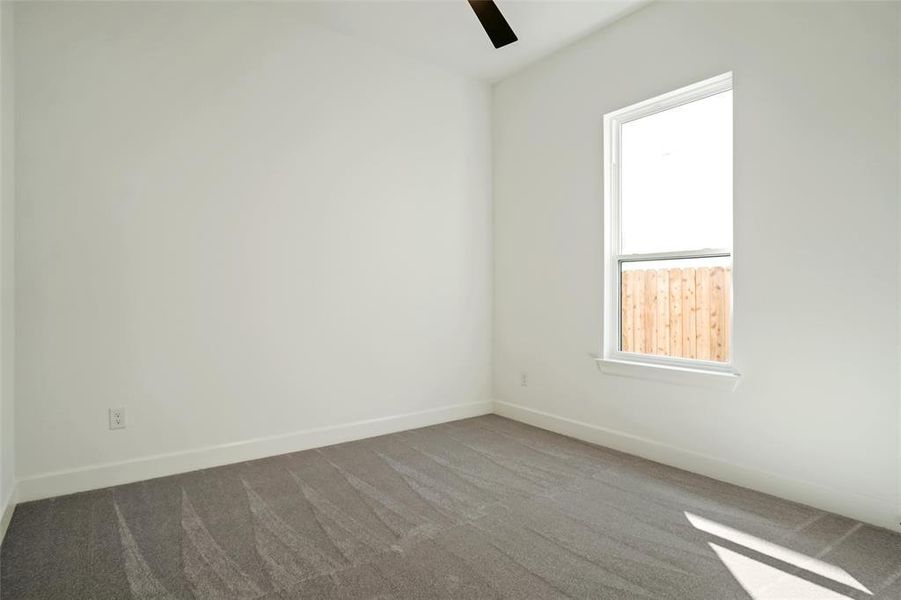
x=493, y=21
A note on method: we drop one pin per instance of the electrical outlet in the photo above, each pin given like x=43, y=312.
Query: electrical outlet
x=524, y=379
x=117, y=418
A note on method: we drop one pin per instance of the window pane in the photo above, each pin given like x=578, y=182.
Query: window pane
x=676, y=178
x=677, y=308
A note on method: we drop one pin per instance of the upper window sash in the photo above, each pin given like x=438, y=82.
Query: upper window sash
x=646, y=147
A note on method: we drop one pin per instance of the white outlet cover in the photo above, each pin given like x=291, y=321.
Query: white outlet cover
x=117, y=418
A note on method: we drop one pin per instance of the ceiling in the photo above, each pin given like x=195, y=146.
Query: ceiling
x=447, y=33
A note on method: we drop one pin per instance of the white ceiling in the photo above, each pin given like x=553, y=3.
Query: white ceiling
x=447, y=33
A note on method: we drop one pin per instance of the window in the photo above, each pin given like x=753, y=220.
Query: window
x=668, y=225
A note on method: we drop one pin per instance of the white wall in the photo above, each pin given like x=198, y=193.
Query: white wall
x=815, y=417
x=7, y=265
x=237, y=225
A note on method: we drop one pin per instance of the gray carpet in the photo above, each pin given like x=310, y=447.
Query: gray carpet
x=480, y=508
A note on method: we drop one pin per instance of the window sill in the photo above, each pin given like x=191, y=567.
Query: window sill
x=722, y=380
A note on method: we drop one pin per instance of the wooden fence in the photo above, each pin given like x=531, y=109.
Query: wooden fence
x=677, y=312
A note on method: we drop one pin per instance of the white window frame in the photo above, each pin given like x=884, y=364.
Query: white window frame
x=613, y=360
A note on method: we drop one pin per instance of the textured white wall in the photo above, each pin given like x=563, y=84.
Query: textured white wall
x=816, y=245
x=237, y=225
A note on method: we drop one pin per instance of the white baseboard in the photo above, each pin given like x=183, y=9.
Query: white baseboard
x=868, y=509
x=7, y=507
x=104, y=475
x=876, y=511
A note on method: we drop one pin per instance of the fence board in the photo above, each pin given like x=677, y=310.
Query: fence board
x=662, y=312
x=638, y=323
x=702, y=315
x=689, y=312
x=727, y=310
x=717, y=314
x=675, y=312
x=626, y=321
x=649, y=311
